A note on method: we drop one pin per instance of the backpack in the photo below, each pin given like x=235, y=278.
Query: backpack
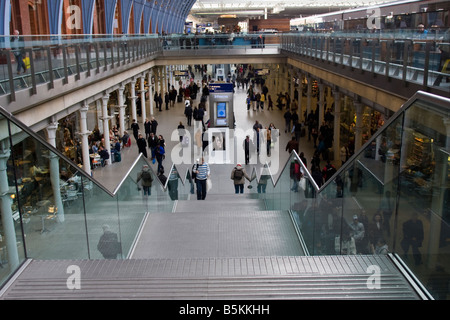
x=147, y=176
x=238, y=174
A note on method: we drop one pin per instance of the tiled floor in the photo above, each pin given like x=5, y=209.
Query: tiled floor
x=168, y=121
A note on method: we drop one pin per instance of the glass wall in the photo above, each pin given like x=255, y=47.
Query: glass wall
x=51, y=209
x=395, y=202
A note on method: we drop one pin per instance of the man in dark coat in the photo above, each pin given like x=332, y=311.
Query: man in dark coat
x=109, y=245
x=413, y=237
x=142, y=145
x=135, y=127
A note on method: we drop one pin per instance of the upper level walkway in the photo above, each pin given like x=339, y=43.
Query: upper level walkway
x=65, y=73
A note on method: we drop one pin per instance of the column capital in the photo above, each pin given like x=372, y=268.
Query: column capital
x=5, y=154
x=52, y=126
x=86, y=133
x=84, y=109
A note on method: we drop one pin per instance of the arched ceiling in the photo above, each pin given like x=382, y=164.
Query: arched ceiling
x=274, y=8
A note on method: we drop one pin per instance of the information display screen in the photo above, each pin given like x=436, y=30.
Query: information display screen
x=221, y=114
x=221, y=109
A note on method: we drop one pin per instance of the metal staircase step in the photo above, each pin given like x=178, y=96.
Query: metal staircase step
x=145, y=279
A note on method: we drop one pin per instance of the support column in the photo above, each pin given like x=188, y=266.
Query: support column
x=98, y=105
x=321, y=104
x=308, y=96
x=54, y=171
x=161, y=82
x=292, y=85
x=165, y=81
x=337, y=124
x=359, y=125
x=300, y=95
x=122, y=106
x=133, y=99
x=9, y=232
x=150, y=91
x=142, y=91
x=84, y=138
x=105, y=118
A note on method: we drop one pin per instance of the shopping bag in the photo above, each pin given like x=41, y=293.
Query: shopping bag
x=208, y=184
x=26, y=61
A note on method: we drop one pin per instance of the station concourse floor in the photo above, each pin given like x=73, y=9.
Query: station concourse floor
x=168, y=121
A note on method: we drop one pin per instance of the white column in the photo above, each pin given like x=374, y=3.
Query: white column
x=84, y=138
x=105, y=118
x=54, y=171
x=150, y=92
x=9, y=232
x=98, y=105
x=142, y=91
x=161, y=82
x=122, y=106
x=133, y=99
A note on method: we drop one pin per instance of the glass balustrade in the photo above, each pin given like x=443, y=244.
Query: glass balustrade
x=52, y=210
x=391, y=197
x=422, y=61
x=413, y=59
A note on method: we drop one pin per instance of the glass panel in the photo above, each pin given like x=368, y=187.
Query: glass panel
x=422, y=222
x=4, y=73
x=40, y=65
x=12, y=248
x=52, y=196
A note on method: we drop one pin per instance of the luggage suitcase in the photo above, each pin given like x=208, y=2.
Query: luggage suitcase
x=117, y=157
x=179, y=98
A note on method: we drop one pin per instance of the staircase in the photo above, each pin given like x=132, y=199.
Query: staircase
x=226, y=247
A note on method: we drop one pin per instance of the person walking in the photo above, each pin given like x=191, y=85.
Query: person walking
x=135, y=127
x=249, y=148
x=148, y=128
x=292, y=145
x=160, y=154
x=202, y=174
x=154, y=125
x=287, y=119
x=142, y=145
x=413, y=237
x=108, y=244
x=152, y=144
x=19, y=51
x=146, y=176
x=188, y=113
x=238, y=175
